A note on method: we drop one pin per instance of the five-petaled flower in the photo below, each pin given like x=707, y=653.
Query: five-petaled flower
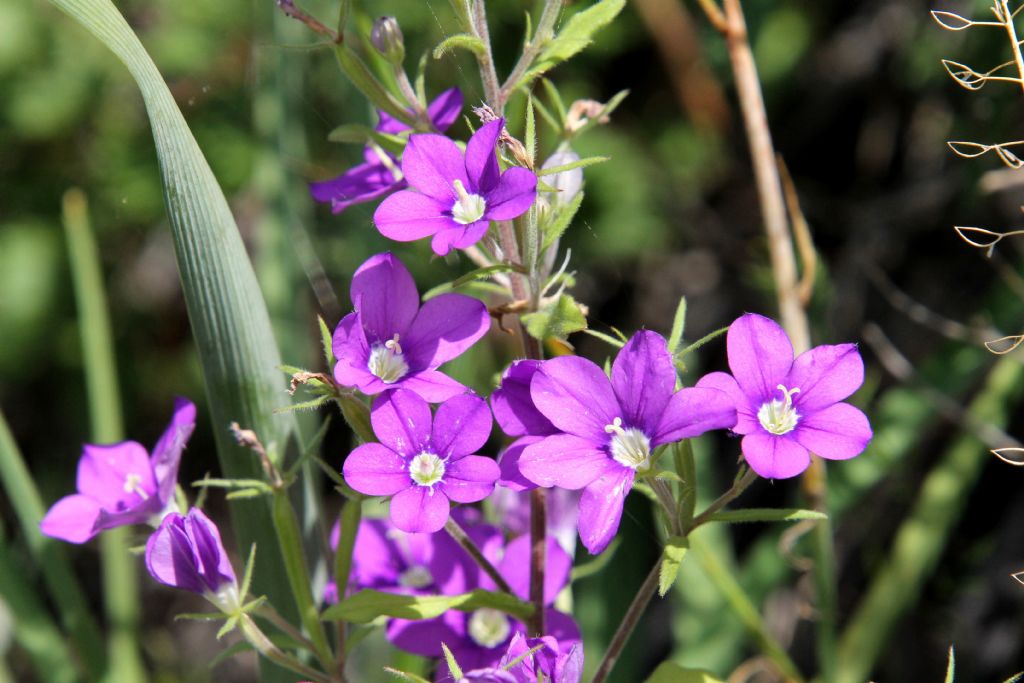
x=786, y=408
x=455, y=196
x=390, y=341
x=380, y=174
x=121, y=484
x=422, y=461
x=610, y=427
x=186, y=552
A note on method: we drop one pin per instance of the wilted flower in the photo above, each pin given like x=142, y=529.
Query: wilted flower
x=786, y=408
x=610, y=428
x=455, y=196
x=186, y=552
x=122, y=484
x=422, y=461
x=391, y=341
x=380, y=173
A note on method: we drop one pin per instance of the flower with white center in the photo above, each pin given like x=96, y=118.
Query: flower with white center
x=779, y=417
x=387, y=362
x=488, y=627
x=630, y=447
x=468, y=208
x=426, y=469
x=416, y=576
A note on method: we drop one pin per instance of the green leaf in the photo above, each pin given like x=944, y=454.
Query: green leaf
x=765, y=515
x=607, y=338
x=327, y=341
x=311, y=404
x=556, y=101
x=672, y=557
x=580, y=163
x=678, y=326
x=576, y=35
x=364, y=80
x=405, y=675
x=228, y=626
x=559, y=320
x=530, y=132
x=357, y=415
x=460, y=41
x=670, y=672
x=562, y=221
x=367, y=605
x=453, y=665
x=247, y=574
x=357, y=133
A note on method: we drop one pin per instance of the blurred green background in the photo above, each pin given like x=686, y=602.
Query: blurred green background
x=860, y=109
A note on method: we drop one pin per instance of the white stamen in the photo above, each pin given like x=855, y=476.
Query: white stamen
x=386, y=361
x=426, y=469
x=133, y=484
x=780, y=417
x=416, y=576
x=468, y=208
x=488, y=627
x=629, y=447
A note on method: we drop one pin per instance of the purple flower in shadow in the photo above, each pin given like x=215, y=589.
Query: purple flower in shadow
x=424, y=462
x=186, y=552
x=557, y=664
x=122, y=484
x=609, y=428
x=786, y=408
x=390, y=341
x=479, y=639
x=517, y=416
x=455, y=196
x=379, y=174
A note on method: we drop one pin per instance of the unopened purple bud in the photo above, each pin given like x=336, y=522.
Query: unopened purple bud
x=387, y=37
x=186, y=552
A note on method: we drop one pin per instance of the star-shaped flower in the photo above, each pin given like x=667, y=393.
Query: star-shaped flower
x=786, y=408
x=454, y=197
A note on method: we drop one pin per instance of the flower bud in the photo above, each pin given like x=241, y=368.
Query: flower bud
x=387, y=37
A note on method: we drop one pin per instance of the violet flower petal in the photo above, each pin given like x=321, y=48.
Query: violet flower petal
x=746, y=418
x=104, y=471
x=376, y=561
x=401, y=420
x=170, y=556
x=513, y=196
x=644, y=378
x=825, y=375
x=376, y=470
x=513, y=405
x=462, y=426
x=431, y=164
x=432, y=386
x=424, y=637
x=444, y=110
x=576, y=396
x=775, y=457
x=407, y=216
x=361, y=183
x=213, y=563
x=469, y=479
x=456, y=236
x=444, y=328
x=167, y=453
x=420, y=509
x=515, y=568
x=601, y=508
x=384, y=294
x=72, y=518
x=352, y=351
x=482, y=158
x=508, y=462
x=838, y=432
x=564, y=460
x=760, y=356
x=693, y=411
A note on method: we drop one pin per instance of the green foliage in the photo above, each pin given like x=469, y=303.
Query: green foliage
x=765, y=515
x=558, y=321
x=670, y=672
x=367, y=605
x=460, y=41
x=672, y=557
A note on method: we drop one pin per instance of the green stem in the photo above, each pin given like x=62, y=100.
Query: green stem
x=744, y=609
x=120, y=577
x=351, y=515
x=488, y=74
x=289, y=538
x=686, y=468
x=49, y=556
x=265, y=647
x=544, y=32
x=628, y=623
x=737, y=488
x=459, y=535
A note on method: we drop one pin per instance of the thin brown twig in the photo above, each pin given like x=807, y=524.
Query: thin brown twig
x=801, y=233
x=732, y=494
x=293, y=11
x=628, y=624
x=460, y=536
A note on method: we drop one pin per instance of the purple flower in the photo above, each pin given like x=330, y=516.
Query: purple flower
x=186, y=552
x=517, y=416
x=456, y=196
x=786, y=408
x=557, y=665
x=122, y=484
x=512, y=508
x=379, y=174
x=480, y=638
x=424, y=462
x=609, y=428
x=391, y=341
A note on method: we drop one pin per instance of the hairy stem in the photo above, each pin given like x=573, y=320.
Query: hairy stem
x=732, y=494
x=629, y=622
x=488, y=74
x=545, y=30
x=460, y=536
x=1011, y=31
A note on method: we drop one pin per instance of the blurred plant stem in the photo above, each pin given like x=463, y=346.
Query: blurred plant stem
x=922, y=536
x=120, y=575
x=49, y=557
x=628, y=624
